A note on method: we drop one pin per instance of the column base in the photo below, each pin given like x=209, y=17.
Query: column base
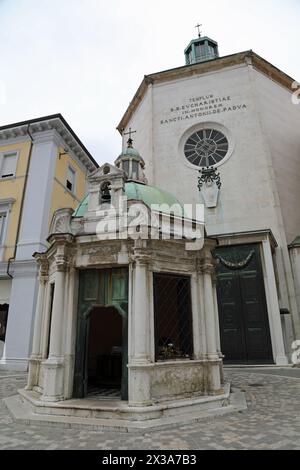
x=213, y=357
x=33, y=372
x=281, y=361
x=139, y=385
x=54, y=383
x=214, y=377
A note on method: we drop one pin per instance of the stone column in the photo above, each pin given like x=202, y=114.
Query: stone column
x=273, y=307
x=36, y=354
x=53, y=383
x=209, y=306
x=196, y=313
x=139, y=371
x=214, y=285
x=214, y=379
x=70, y=334
x=56, y=329
x=219, y=350
x=200, y=345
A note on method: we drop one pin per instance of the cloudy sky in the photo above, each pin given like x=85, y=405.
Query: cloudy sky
x=86, y=58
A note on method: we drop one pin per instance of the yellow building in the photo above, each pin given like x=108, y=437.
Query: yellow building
x=43, y=167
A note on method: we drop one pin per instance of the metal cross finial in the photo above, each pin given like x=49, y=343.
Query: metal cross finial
x=199, y=30
x=129, y=141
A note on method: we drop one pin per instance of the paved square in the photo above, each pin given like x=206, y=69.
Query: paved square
x=272, y=421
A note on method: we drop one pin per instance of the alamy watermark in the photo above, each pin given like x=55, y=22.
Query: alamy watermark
x=159, y=221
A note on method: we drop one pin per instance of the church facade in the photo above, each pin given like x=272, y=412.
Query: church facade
x=231, y=121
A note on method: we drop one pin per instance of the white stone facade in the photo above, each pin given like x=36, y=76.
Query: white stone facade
x=260, y=175
x=52, y=371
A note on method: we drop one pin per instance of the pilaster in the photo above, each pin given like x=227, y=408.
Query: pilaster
x=36, y=354
x=139, y=379
x=54, y=365
x=207, y=267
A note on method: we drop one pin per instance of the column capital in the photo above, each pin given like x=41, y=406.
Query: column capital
x=61, y=239
x=206, y=266
x=43, y=263
x=141, y=256
x=61, y=262
x=44, y=270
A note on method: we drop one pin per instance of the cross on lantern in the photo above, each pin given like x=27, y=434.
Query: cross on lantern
x=129, y=141
x=199, y=30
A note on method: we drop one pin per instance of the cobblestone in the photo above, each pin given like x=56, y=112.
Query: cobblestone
x=272, y=421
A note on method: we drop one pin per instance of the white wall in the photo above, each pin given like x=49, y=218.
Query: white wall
x=260, y=181
x=37, y=202
x=246, y=199
x=281, y=123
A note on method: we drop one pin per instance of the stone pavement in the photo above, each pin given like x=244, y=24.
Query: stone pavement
x=272, y=421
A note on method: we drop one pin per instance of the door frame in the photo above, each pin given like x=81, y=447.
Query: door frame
x=268, y=245
x=82, y=334
x=238, y=275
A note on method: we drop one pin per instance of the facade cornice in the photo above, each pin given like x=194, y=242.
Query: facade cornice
x=61, y=239
x=256, y=235
x=24, y=268
x=247, y=58
x=8, y=201
x=38, y=129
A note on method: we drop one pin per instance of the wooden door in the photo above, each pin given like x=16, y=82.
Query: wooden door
x=244, y=324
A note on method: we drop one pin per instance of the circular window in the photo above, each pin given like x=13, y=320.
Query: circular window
x=206, y=147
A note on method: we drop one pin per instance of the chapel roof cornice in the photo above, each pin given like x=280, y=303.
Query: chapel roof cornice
x=54, y=122
x=185, y=71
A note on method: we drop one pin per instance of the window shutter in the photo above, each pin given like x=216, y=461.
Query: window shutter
x=71, y=179
x=9, y=165
x=2, y=223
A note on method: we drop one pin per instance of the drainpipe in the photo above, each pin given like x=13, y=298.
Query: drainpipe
x=12, y=258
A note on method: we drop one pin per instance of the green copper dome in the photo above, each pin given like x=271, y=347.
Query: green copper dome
x=130, y=152
x=141, y=192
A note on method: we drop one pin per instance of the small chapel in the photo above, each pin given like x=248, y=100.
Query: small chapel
x=130, y=317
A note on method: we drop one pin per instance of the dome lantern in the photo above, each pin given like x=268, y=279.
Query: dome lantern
x=132, y=163
x=201, y=49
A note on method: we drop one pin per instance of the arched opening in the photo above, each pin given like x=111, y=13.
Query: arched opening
x=104, y=352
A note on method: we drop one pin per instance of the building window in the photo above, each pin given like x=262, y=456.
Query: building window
x=3, y=216
x=71, y=179
x=135, y=170
x=125, y=165
x=172, y=317
x=8, y=165
x=3, y=321
x=212, y=50
x=200, y=52
x=205, y=148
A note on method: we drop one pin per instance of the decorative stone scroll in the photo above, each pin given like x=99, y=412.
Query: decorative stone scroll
x=209, y=183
